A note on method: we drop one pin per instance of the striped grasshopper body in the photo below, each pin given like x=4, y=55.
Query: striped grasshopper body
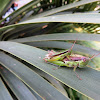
x=67, y=59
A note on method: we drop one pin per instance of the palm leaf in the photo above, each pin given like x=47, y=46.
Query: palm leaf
x=16, y=85
x=60, y=36
x=4, y=94
x=33, y=80
x=22, y=63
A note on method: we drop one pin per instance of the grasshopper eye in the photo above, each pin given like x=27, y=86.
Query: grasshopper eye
x=84, y=59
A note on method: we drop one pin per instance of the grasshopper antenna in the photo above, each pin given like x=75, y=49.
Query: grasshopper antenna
x=65, y=51
x=72, y=45
x=94, y=56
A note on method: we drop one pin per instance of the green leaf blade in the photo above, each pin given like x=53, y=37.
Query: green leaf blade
x=4, y=94
x=60, y=36
x=68, y=18
x=17, y=86
x=30, y=78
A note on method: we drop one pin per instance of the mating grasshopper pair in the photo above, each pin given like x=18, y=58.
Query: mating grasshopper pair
x=67, y=59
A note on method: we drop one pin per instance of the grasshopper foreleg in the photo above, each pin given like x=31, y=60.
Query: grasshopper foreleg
x=75, y=71
x=77, y=76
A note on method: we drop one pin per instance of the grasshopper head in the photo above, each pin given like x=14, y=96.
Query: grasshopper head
x=84, y=62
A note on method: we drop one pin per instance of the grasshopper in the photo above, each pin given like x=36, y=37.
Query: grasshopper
x=68, y=59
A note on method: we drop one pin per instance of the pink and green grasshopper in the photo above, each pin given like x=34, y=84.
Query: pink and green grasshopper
x=68, y=59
